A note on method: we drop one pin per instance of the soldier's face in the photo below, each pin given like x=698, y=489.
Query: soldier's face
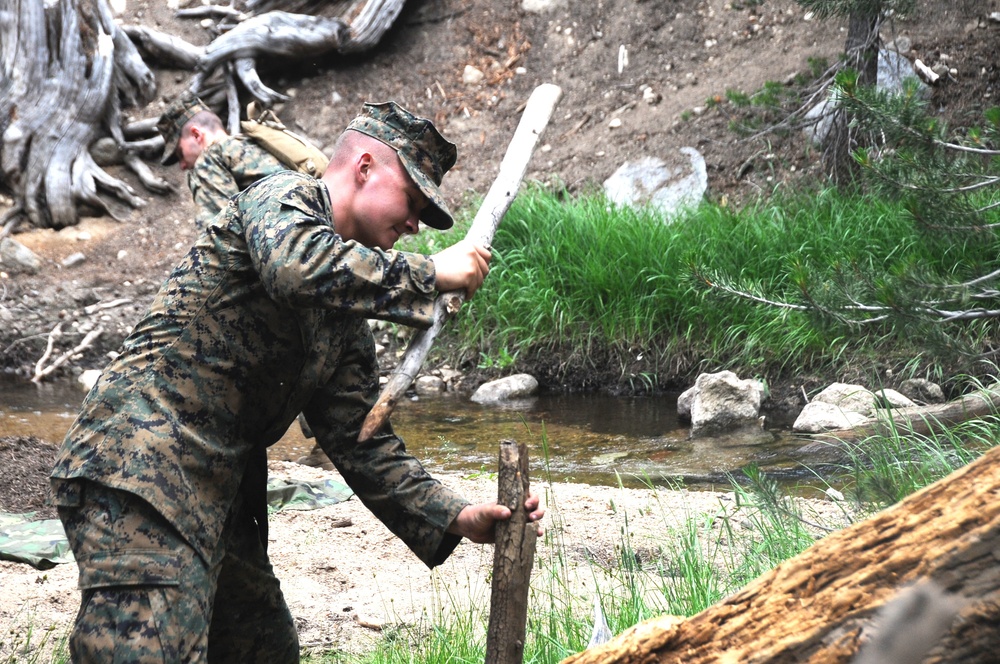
x=389, y=205
x=188, y=150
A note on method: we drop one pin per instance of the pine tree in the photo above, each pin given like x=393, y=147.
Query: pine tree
x=948, y=183
x=865, y=19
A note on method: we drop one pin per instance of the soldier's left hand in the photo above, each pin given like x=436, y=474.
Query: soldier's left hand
x=477, y=523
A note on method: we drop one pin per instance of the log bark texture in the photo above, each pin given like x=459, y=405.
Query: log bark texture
x=824, y=605
x=513, y=558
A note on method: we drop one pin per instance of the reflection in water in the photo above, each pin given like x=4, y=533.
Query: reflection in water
x=595, y=439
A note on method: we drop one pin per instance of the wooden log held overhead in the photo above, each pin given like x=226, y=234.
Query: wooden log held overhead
x=499, y=198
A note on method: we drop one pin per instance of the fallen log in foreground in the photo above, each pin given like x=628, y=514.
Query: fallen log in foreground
x=936, y=553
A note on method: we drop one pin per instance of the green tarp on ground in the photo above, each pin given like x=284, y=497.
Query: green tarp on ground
x=285, y=495
x=42, y=543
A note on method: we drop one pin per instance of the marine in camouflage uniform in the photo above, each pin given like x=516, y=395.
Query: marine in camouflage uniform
x=264, y=318
x=225, y=166
x=225, y=169
x=219, y=166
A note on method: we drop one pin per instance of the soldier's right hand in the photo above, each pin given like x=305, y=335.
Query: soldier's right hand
x=462, y=266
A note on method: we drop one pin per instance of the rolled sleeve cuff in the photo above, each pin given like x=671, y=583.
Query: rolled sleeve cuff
x=423, y=272
x=435, y=544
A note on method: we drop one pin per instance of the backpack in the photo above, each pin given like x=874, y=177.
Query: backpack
x=292, y=150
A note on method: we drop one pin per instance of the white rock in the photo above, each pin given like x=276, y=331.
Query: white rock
x=893, y=399
x=818, y=417
x=518, y=386
x=724, y=402
x=88, y=379
x=667, y=186
x=540, y=6
x=845, y=396
x=426, y=385
x=472, y=76
x=73, y=259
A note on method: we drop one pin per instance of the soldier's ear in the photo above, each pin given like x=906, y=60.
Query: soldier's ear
x=363, y=167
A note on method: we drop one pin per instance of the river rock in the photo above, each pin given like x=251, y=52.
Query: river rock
x=922, y=391
x=723, y=402
x=845, y=396
x=518, y=386
x=818, y=416
x=889, y=398
x=429, y=385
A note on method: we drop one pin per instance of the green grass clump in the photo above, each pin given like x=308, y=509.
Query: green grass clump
x=713, y=287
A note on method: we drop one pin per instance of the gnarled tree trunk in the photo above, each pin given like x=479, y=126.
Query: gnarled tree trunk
x=919, y=582
x=67, y=71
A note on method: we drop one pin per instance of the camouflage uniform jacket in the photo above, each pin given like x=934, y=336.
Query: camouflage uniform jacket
x=223, y=170
x=264, y=318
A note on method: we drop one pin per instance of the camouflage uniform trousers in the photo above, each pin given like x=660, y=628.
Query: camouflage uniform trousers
x=147, y=597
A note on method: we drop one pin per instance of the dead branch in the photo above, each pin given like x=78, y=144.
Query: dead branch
x=41, y=370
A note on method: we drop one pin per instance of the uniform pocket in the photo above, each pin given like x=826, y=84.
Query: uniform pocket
x=118, y=539
x=132, y=568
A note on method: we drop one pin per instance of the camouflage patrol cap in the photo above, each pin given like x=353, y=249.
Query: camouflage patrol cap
x=173, y=120
x=424, y=152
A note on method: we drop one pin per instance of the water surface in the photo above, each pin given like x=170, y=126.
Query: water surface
x=590, y=438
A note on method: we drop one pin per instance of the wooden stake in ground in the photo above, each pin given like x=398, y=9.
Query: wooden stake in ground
x=535, y=118
x=513, y=558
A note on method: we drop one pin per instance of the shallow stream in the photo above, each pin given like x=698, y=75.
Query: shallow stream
x=588, y=438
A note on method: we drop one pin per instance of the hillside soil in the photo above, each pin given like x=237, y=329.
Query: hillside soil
x=346, y=583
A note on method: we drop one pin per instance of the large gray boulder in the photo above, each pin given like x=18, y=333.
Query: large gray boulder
x=818, y=416
x=838, y=406
x=893, y=69
x=722, y=402
x=667, y=185
x=845, y=396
